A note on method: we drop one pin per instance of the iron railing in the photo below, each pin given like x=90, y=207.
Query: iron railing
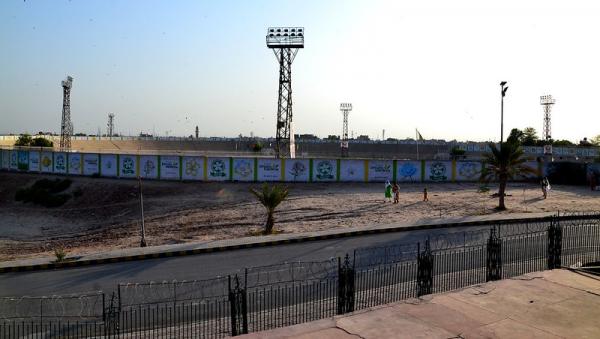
x=267, y=297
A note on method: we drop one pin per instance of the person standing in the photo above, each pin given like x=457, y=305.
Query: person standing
x=545, y=187
x=396, y=191
x=388, y=191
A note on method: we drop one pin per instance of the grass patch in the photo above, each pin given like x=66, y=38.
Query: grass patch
x=45, y=192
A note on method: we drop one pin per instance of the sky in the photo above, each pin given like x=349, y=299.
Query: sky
x=164, y=67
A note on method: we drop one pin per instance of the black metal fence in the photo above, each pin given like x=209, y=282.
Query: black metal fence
x=262, y=298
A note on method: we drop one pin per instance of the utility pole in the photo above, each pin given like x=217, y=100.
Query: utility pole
x=503, y=89
x=143, y=241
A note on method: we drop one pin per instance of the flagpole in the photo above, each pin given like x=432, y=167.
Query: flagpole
x=417, y=137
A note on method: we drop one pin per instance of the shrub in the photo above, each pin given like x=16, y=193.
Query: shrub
x=23, y=140
x=41, y=142
x=60, y=254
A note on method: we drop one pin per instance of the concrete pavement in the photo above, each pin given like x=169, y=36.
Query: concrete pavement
x=549, y=304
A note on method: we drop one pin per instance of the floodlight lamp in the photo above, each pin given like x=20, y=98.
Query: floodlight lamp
x=504, y=91
x=285, y=37
x=503, y=83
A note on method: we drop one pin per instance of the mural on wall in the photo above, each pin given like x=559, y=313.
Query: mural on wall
x=149, y=166
x=23, y=160
x=108, y=165
x=324, y=170
x=243, y=169
x=169, y=167
x=14, y=160
x=60, y=162
x=352, y=170
x=5, y=159
x=74, y=163
x=438, y=171
x=269, y=169
x=192, y=168
x=468, y=170
x=46, y=162
x=381, y=170
x=408, y=171
x=127, y=166
x=296, y=169
x=34, y=161
x=218, y=169
x=91, y=164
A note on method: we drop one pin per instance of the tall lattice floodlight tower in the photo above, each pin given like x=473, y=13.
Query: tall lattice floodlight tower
x=110, y=126
x=66, y=126
x=285, y=42
x=547, y=101
x=345, y=108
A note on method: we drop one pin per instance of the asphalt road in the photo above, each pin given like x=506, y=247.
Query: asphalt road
x=203, y=266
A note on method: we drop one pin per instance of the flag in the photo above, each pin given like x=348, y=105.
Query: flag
x=419, y=136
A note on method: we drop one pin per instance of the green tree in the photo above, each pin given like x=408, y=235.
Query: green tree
x=530, y=137
x=270, y=197
x=502, y=165
x=41, y=142
x=515, y=136
x=596, y=140
x=23, y=140
x=559, y=143
x=456, y=152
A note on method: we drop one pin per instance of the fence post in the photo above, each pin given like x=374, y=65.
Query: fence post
x=554, y=244
x=112, y=317
x=493, y=267
x=345, y=301
x=238, y=307
x=424, y=270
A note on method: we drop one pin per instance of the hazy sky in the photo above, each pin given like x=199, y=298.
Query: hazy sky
x=167, y=66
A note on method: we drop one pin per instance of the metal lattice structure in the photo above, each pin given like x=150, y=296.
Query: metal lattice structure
x=66, y=127
x=285, y=42
x=110, y=126
x=345, y=108
x=547, y=101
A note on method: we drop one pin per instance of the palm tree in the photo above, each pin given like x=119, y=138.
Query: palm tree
x=270, y=197
x=506, y=163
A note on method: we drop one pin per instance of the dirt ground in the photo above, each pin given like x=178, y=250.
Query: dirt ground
x=106, y=216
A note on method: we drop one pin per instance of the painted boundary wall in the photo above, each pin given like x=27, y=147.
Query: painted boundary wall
x=201, y=168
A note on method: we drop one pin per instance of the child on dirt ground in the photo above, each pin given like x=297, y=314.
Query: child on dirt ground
x=425, y=198
x=545, y=187
x=396, y=190
x=388, y=191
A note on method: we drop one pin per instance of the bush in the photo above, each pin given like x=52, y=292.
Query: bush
x=24, y=140
x=45, y=192
x=60, y=254
x=41, y=142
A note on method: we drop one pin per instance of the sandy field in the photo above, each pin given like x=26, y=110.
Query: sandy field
x=106, y=216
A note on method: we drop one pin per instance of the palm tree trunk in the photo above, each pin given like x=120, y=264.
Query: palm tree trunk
x=270, y=222
x=501, y=193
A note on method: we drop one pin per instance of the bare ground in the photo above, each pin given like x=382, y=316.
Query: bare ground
x=106, y=216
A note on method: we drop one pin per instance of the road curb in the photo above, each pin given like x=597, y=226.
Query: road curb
x=292, y=240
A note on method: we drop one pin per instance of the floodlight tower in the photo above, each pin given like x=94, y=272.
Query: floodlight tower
x=547, y=101
x=345, y=108
x=110, y=126
x=285, y=42
x=66, y=126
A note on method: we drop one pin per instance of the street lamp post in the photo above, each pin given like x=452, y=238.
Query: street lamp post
x=143, y=230
x=503, y=89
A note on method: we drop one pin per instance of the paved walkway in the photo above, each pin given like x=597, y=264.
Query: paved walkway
x=549, y=304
